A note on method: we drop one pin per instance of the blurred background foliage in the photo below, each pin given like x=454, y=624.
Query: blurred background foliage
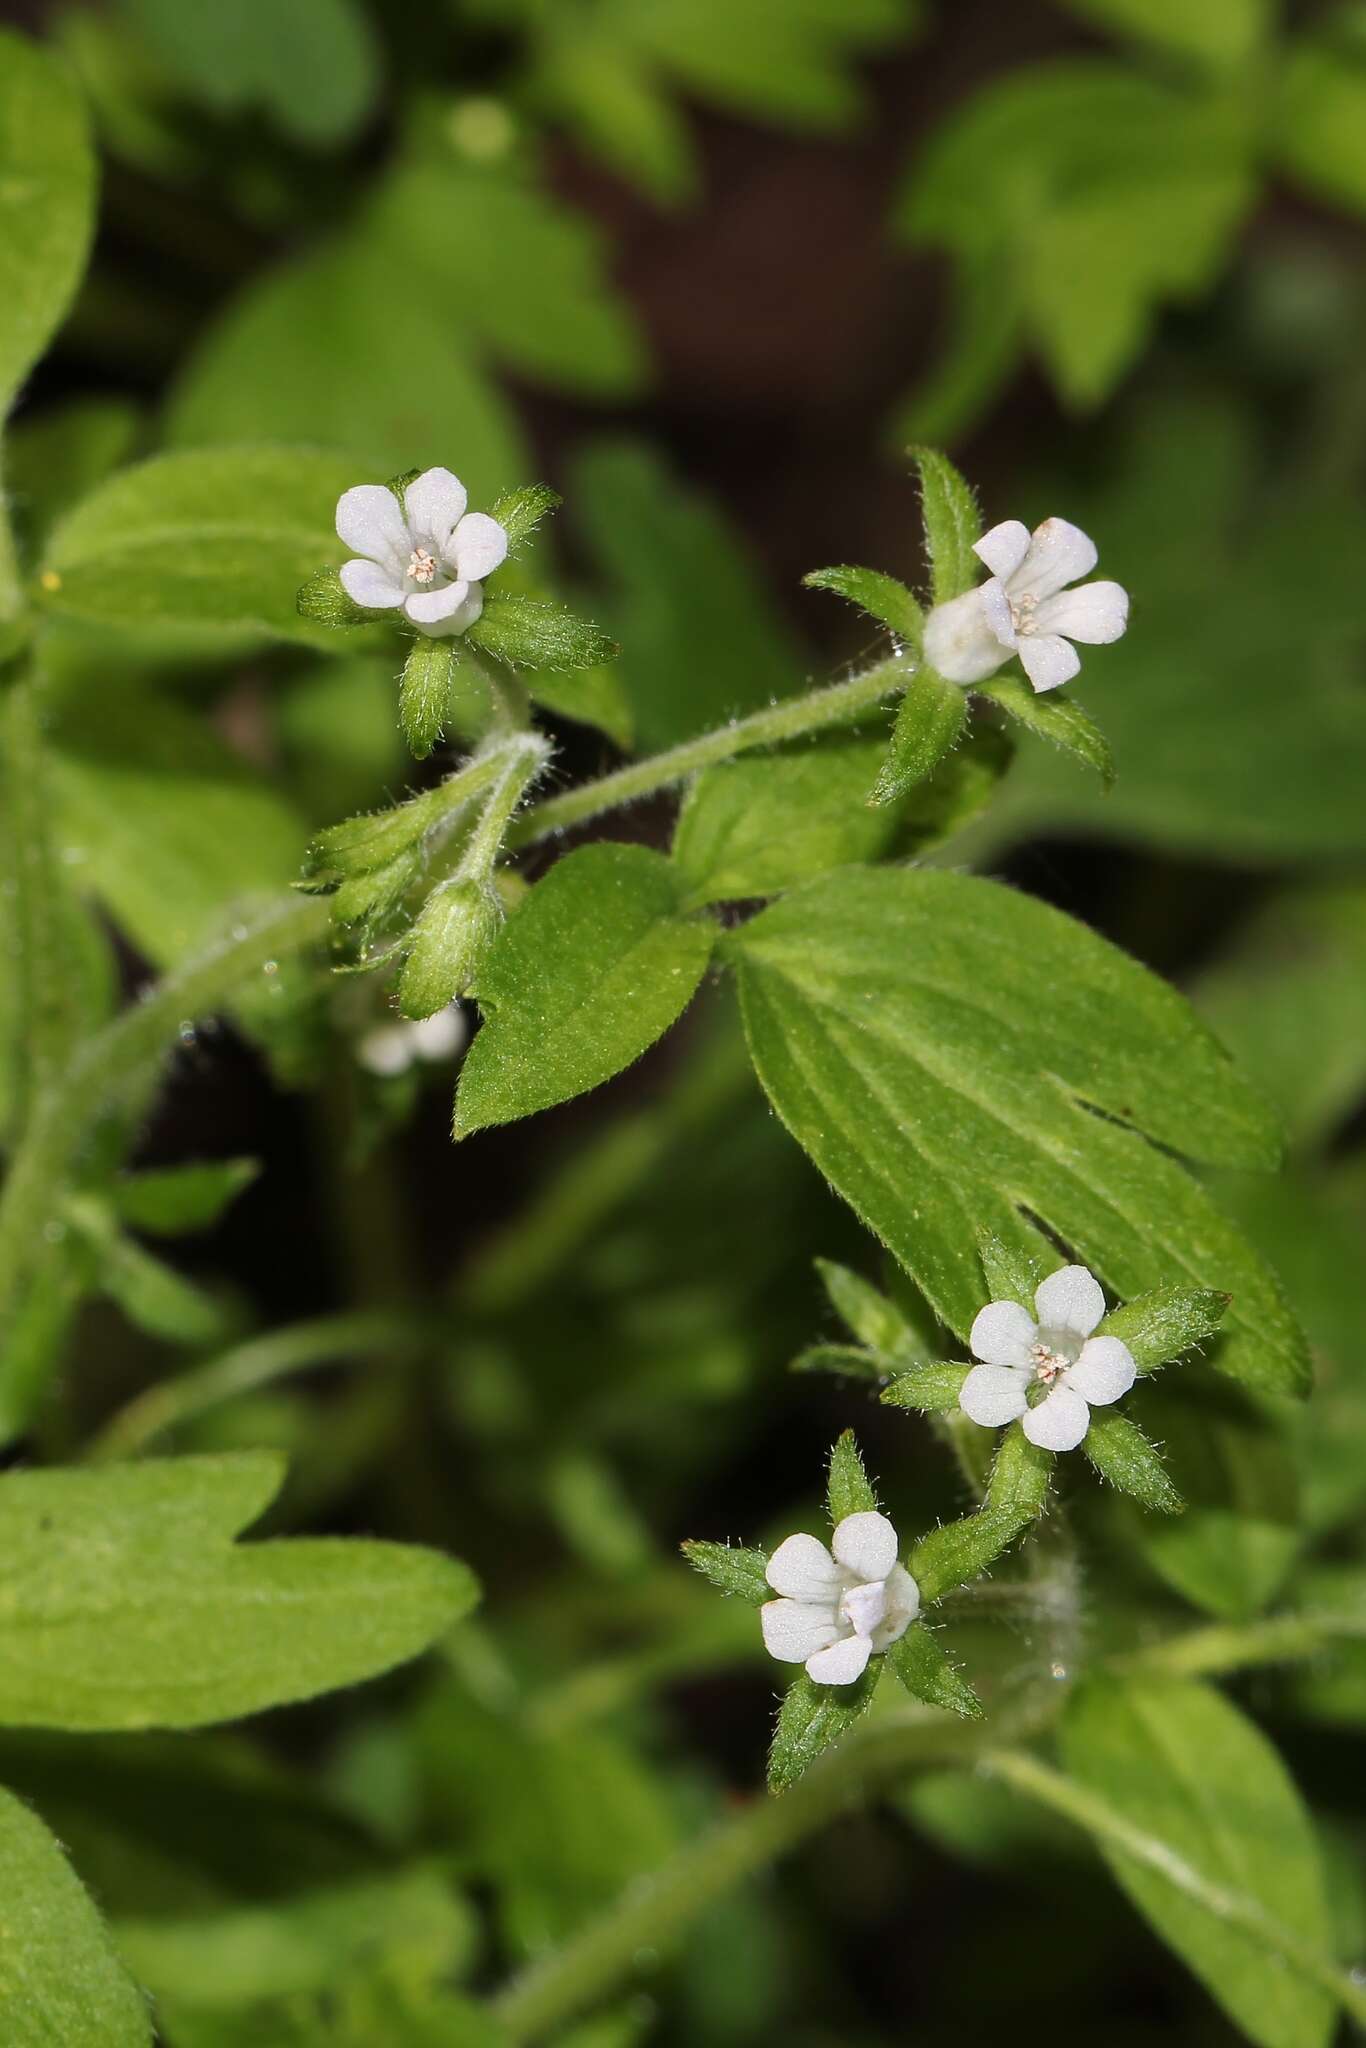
x=705, y=265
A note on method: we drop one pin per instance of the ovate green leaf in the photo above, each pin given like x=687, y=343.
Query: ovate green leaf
x=60, y=1980
x=595, y=965
x=1204, y=1788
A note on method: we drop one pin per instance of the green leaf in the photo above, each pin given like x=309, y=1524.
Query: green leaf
x=703, y=641
x=60, y=1979
x=219, y=540
x=929, y=721
x=128, y=1606
x=529, y=632
x=811, y=1718
x=152, y=1295
x=424, y=692
x=520, y=512
x=846, y=1360
x=1205, y=1793
x=260, y=55
x=174, y=1201
x=933, y=1388
x=927, y=1674
x=1219, y=33
x=596, y=964
x=591, y=696
x=758, y=825
x=396, y=380
x=47, y=196
x=873, y=1316
x=1165, y=1323
x=1055, y=718
x=1122, y=1454
x=952, y=524
x=732, y=1569
x=882, y=597
x=888, y=1016
x=1231, y=1551
x=1321, y=107
x=55, y=457
x=848, y=1491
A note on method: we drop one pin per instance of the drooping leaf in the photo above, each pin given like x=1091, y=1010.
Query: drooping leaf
x=1202, y=1787
x=927, y=1673
x=596, y=964
x=811, y=1718
x=848, y=1491
x=216, y=539
x=732, y=1569
x=130, y=1607
x=47, y=191
x=60, y=1978
x=888, y=1013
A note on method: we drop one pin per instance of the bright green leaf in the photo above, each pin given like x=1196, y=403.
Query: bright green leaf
x=170, y=1201
x=1321, y=107
x=47, y=193
x=596, y=964
x=1217, y=32
x=257, y=54
x=873, y=1317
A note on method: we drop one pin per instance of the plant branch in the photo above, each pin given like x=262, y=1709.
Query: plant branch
x=838, y=704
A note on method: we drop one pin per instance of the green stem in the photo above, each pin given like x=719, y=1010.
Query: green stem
x=657, y=1909
x=840, y=704
x=524, y=756
x=65, y=1113
x=1062, y=1795
x=1278, y=1639
x=259, y=1362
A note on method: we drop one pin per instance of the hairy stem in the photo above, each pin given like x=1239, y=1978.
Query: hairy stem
x=113, y=1060
x=838, y=704
x=523, y=758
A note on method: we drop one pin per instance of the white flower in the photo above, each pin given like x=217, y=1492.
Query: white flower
x=428, y=555
x=1058, y=1352
x=837, y=1611
x=1025, y=607
x=392, y=1048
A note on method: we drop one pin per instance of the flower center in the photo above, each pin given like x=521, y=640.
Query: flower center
x=1052, y=1352
x=422, y=565
x=1022, y=610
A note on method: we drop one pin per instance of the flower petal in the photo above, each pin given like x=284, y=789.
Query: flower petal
x=367, y=583
x=434, y=502
x=1104, y=1372
x=1060, y=1422
x=425, y=606
x=1070, y=1299
x=866, y=1545
x=1004, y=547
x=478, y=545
x=1048, y=660
x=959, y=644
x=1002, y=1334
x=440, y=1036
x=842, y=1663
x=794, y=1630
x=993, y=1394
x=1094, y=613
x=997, y=613
x=465, y=613
x=803, y=1568
x=385, y=1050
x=1059, y=553
x=903, y=1605
x=370, y=521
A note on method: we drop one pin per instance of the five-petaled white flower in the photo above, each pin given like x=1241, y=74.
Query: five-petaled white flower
x=428, y=555
x=392, y=1048
x=1057, y=1352
x=1025, y=607
x=837, y=1611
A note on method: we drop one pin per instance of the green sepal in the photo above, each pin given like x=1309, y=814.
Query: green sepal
x=1053, y=717
x=851, y=1361
x=952, y=523
x=732, y=1569
x=529, y=632
x=447, y=946
x=1120, y=1452
x=1163, y=1325
x=882, y=597
x=424, y=693
x=364, y=844
x=1013, y=1268
x=520, y=512
x=399, y=486
x=1020, y=1476
x=811, y=1718
x=848, y=1490
x=932, y=1388
x=931, y=718
x=927, y=1673
x=364, y=902
x=322, y=599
